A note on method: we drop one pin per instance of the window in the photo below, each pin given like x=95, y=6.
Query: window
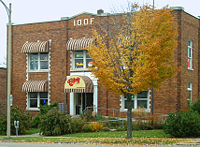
x=139, y=100
x=189, y=54
x=37, y=98
x=38, y=61
x=189, y=92
x=81, y=60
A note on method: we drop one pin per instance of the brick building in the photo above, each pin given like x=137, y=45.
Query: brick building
x=2, y=90
x=46, y=54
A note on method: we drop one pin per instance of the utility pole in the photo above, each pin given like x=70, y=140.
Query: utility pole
x=153, y=4
x=9, y=61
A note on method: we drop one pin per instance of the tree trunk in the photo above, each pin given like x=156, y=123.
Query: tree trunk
x=129, y=117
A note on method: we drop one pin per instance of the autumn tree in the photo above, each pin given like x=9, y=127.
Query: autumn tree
x=134, y=52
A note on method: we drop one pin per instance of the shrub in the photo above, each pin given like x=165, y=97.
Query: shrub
x=3, y=125
x=43, y=110
x=196, y=106
x=183, y=124
x=55, y=123
x=24, y=119
x=96, y=126
x=36, y=121
x=77, y=124
x=87, y=116
x=87, y=128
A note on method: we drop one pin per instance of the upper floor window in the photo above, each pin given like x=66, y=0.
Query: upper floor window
x=81, y=60
x=36, y=99
x=189, y=54
x=38, y=61
x=141, y=100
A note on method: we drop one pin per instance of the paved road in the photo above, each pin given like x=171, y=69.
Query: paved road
x=2, y=144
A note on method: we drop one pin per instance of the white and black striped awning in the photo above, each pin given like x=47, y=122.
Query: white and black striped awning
x=78, y=44
x=35, y=86
x=35, y=47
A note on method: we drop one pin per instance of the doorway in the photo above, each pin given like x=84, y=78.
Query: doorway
x=82, y=101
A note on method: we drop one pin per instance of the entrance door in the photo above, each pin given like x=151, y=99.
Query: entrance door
x=82, y=101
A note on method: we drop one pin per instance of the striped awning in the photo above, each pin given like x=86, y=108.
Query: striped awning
x=35, y=86
x=78, y=44
x=35, y=47
x=79, y=84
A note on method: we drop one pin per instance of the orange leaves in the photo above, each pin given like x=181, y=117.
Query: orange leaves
x=138, y=55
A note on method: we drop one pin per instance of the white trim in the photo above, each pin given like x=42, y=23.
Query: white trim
x=71, y=105
x=95, y=93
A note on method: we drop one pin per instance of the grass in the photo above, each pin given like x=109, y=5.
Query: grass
x=93, y=140
x=32, y=131
x=115, y=137
x=122, y=134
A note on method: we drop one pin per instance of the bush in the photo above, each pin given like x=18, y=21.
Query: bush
x=96, y=126
x=3, y=125
x=55, y=123
x=183, y=124
x=43, y=110
x=24, y=119
x=77, y=124
x=196, y=106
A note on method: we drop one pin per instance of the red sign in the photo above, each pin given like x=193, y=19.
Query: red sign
x=72, y=81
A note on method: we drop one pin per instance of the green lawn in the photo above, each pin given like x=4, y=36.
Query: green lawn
x=111, y=137
x=122, y=134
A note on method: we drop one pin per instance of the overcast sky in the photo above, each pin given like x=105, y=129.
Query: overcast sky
x=26, y=11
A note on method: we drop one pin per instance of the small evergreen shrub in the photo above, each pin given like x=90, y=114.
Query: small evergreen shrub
x=87, y=128
x=3, y=125
x=24, y=119
x=183, y=124
x=43, y=110
x=77, y=124
x=18, y=114
x=196, y=106
x=55, y=123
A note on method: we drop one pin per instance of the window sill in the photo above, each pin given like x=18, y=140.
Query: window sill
x=78, y=70
x=32, y=109
x=135, y=110
x=191, y=69
x=38, y=71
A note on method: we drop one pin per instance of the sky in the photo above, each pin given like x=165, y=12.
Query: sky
x=28, y=11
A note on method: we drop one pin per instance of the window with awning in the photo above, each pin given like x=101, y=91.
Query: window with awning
x=79, y=84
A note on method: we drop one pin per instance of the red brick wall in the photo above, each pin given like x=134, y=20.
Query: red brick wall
x=171, y=97
x=56, y=31
x=2, y=91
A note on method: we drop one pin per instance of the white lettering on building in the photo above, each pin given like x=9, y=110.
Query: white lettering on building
x=86, y=21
